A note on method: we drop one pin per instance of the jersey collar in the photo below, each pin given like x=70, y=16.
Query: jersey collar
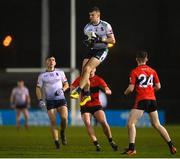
x=96, y=24
x=50, y=71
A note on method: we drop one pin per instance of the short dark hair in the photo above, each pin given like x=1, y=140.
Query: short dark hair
x=96, y=9
x=49, y=56
x=141, y=54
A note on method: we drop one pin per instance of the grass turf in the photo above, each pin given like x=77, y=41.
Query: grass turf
x=37, y=142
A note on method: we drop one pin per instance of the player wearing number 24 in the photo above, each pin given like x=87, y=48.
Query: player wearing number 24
x=146, y=82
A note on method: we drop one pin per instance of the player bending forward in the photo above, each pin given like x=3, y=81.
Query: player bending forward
x=94, y=108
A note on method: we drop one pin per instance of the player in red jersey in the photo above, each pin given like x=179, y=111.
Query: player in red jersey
x=145, y=81
x=94, y=108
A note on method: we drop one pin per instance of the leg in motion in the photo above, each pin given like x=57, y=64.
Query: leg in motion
x=101, y=118
x=26, y=116
x=87, y=121
x=162, y=131
x=18, y=114
x=134, y=115
x=54, y=130
x=64, y=122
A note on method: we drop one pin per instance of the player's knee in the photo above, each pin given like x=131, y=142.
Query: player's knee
x=130, y=124
x=156, y=125
x=64, y=118
x=87, y=123
x=103, y=122
x=53, y=122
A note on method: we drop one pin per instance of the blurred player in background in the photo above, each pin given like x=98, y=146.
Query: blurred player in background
x=145, y=81
x=54, y=83
x=98, y=34
x=20, y=101
x=94, y=108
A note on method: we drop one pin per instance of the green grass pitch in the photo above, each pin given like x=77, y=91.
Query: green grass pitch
x=37, y=142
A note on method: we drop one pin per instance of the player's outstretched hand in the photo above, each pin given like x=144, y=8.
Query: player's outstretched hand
x=42, y=105
x=108, y=91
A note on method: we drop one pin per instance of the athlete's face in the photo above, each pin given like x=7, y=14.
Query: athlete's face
x=51, y=62
x=94, y=17
x=20, y=84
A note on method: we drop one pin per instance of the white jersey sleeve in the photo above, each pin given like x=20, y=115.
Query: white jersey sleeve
x=40, y=81
x=63, y=77
x=109, y=29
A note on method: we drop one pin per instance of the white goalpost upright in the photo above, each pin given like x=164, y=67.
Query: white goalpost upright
x=74, y=114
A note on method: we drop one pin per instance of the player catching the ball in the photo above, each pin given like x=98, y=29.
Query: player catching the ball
x=98, y=34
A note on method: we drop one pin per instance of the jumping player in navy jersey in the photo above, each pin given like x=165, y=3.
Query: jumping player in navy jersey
x=54, y=83
x=98, y=34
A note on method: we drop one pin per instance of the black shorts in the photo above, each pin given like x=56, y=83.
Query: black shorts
x=21, y=106
x=100, y=54
x=147, y=105
x=92, y=110
x=53, y=104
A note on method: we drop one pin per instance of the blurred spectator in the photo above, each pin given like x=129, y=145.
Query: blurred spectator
x=20, y=101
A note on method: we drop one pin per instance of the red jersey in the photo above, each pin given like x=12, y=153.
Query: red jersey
x=144, y=78
x=96, y=84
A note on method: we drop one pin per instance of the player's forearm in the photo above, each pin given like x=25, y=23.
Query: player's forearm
x=11, y=99
x=129, y=90
x=66, y=86
x=38, y=93
x=109, y=40
x=28, y=100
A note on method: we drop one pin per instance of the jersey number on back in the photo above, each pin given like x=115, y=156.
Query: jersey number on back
x=145, y=81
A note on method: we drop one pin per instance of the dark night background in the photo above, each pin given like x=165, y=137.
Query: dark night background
x=137, y=24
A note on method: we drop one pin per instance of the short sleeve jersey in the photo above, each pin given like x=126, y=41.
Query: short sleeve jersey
x=52, y=84
x=20, y=95
x=102, y=29
x=144, y=78
x=96, y=84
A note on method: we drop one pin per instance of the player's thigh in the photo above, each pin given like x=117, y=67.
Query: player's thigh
x=84, y=63
x=63, y=112
x=52, y=115
x=100, y=116
x=134, y=115
x=154, y=118
x=92, y=63
x=86, y=117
